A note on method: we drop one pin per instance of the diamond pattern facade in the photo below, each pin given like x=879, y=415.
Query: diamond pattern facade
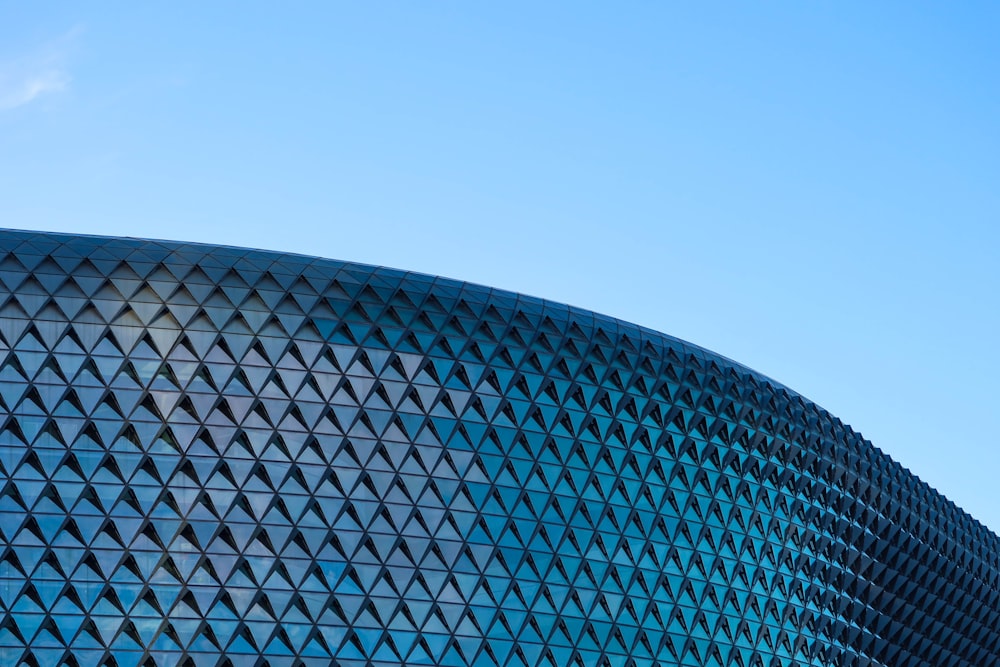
x=217, y=456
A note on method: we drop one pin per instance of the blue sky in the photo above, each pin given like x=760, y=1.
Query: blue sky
x=810, y=188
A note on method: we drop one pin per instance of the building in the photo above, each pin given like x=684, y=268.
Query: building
x=218, y=456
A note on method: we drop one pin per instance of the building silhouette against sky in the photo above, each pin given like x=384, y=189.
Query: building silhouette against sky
x=220, y=456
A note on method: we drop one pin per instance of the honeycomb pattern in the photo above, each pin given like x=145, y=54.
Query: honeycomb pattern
x=217, y=456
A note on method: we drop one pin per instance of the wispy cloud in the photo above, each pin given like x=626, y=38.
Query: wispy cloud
x=26, y=78
x=21, y=88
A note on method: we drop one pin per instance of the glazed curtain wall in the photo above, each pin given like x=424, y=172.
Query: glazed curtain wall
x=216, y=456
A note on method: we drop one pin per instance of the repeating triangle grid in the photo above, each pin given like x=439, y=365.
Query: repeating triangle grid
x=220, y=456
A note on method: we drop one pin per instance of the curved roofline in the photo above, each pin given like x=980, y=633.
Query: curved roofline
x=621, y=328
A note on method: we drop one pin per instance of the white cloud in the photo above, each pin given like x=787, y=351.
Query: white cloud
x=25, y=79
x=21, y=89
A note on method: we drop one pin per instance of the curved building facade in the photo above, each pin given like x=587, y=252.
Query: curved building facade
x=218, y=456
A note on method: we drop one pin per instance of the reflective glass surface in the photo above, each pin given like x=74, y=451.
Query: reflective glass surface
x=219, y=456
